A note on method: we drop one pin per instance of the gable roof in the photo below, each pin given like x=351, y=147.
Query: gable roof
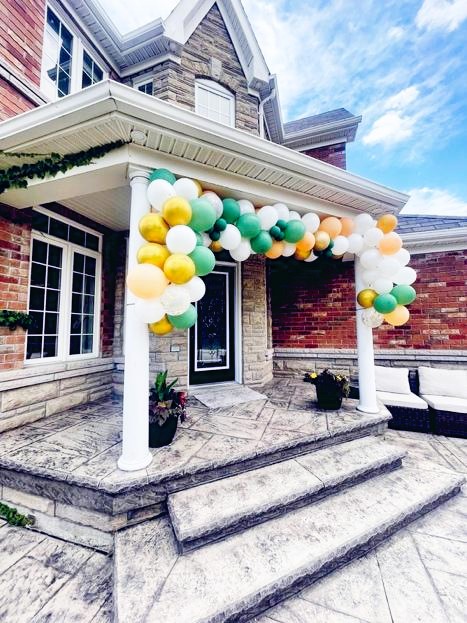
x=408, y=223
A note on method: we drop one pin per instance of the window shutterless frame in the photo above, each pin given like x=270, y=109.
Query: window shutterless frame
x=214, y=101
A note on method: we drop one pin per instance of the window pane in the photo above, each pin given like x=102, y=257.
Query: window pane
x=55, y=256
x=86, y=81
x=38, y=274
x=34, y=347
x=58, y=229
x=75, y=345
x=39, y=252
x=37, y=322
x=40, y=222
x=92, y=242
x=77, y=236
x=88, y=305
x=88, y=322
x=89, y=285
x=90, y=266
x=51, y=324
x=76, y=303
x=36, y=299
x=82, y=318
x=77, y=282
x=53, y=278
x=78, y=263
x=52, y=300
x=76, y=325
x=50, y=346
x=53, y=21
x=86, y=344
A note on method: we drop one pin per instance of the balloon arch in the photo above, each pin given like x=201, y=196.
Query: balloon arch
x=188, y=225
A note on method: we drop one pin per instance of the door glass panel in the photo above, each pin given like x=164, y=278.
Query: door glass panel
x=211, y=339
x=82, y=304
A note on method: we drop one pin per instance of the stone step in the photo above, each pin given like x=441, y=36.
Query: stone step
x=215, y=509
x=234, y=579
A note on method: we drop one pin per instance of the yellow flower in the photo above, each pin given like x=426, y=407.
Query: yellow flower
x=313, y=375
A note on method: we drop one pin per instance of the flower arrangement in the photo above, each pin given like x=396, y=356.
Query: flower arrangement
x=330, y=388
x=165, y=401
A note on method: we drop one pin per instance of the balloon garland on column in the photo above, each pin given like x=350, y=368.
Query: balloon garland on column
x=187, y=225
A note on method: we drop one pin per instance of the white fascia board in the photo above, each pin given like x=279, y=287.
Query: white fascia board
x=436, y=241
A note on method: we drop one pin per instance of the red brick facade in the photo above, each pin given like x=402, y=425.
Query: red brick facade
x=332, y=154
x=316, y=310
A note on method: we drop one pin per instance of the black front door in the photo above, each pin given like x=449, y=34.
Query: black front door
x=212, y=339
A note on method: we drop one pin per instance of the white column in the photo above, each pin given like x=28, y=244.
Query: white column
x=365, y=353
x=135, y=447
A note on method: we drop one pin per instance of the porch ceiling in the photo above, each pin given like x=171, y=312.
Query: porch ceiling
x=165, y=133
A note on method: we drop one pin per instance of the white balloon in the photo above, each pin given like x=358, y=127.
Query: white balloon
x=158, y=192
x=311, y=221
x=246, y=207
x=294, y=216
x=149, y=310
x=369, y=276
x=215, y=201
x=184, y=187
x=402, y=256
x=268, y=217
x=370, y=258
x=230, y=237
x=341, y=245
x=372, y=236
x=282, y=211
x=382, y=285
x=175, y=299
x=289, y=249
x=196, y=287
x=206, y=239
x=242, y=252
x=406, y=276
x=181, y=239
x=355, y=243
x=362, y=223
x=311, y=258
x=388, y=267
x=371, y=318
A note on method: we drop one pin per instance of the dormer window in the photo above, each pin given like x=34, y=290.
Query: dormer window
x=215, y=102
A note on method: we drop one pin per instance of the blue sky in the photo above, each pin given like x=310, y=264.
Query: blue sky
x=401, y=64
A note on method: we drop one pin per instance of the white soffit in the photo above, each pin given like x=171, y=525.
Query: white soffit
x=109, y=207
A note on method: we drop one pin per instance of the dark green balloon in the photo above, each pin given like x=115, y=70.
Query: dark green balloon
x=163, y=174
x=281, y=224
x=294, y=231
x=275, y=232
x=327, y=252
x=203, y=215
x=220, y=224
x=385, y=303
x=261, y=243
x=280, y=236
x=231, y=210
x=215, y=235
x=185, y=320
x=404, y=295
x=204, y=260
x=249, y=225
x=330, y=245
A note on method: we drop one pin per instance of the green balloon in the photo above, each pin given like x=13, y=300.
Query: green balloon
x=199, y=239
x=280, y=236
x=262, y=242
x=163, y=174
x=185, y=320
x=281, y=224
x=249, y=225
x=215, y=235
x=294, y=231
x=204, y=260
x=220, y=224
x=327, y=252
x=385, y=303
x=275, y=232
x=203, y=215
x=231, y=210
x=404, y=295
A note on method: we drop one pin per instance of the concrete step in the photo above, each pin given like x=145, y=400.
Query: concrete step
x=213, y=510
x=234, y=579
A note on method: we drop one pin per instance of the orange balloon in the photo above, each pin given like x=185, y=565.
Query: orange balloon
x=306, y=243
x=390, y=243
x=331, y=225
x=301, y=255
x=146, y=281
x=347, y=226
x=398, y=317
x=387, y=223
x=276, y=250
x=322, y=240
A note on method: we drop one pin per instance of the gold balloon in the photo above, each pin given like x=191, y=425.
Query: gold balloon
x=179, y=268
x=366, y=297
x=161, y=327
x=398, y=317
x=331, y=225
x=216, y=246
x=177, y=211
x=146, y=281
x=153, y=253
x=153, y=228
x=301, y=255
x=387, y=223
x=276, y=250
x=199, y=187
x=322, y=240
x=307, y=242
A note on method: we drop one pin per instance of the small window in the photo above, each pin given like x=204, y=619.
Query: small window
x=214, y=102
x=145, y=87
x=57, y=57
x=91, y=73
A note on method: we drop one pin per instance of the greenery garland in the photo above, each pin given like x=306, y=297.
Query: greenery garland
x=17, y=176
x=13, y=319
x=12, y=517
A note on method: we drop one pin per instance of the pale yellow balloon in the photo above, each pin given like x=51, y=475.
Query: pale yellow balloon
x=398, y=317
x=146, y=281
x=179, y=268
x=276, y=250
x=307, y=242
x=161, y=327
x=390, y=243
x=153, y=253
x=387, y=223
x=331, y=225
x=347, y=226
x=177, y=211
x=322, y=240
x=153, y=228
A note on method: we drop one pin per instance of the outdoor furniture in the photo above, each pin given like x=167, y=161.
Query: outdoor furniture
x=397, y=391
x=445, y=391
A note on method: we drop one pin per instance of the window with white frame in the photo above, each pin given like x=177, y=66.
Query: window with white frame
x=64, y=290
x=215, y=102
x=91, y=72
x=145, y=87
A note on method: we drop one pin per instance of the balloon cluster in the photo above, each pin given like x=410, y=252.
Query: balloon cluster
x=187, y=225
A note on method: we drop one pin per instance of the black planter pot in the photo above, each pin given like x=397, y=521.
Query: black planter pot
x=160, y=436
x=328, y=399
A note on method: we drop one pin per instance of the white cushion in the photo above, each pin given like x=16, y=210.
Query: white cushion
x=394, y=380
x=412, y=401
x=440, y=382
x=446, y=403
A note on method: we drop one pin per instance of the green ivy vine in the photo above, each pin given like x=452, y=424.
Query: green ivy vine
x=12, y=517
x=13, y=319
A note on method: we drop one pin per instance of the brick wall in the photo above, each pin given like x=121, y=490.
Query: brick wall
x=332, y=154
x=12, y=102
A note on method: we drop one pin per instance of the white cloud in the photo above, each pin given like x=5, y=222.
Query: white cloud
x=435, y=202
x=404, y=98
x=141, y=13
x=396, y=33
x=390, y=129
x=441, y=14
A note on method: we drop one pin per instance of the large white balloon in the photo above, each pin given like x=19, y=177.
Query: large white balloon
x=406, y=276
x=369, y=276
x=242, y=252
x=311, y=221
x=149, y=310
x=289, y=249
x=362, y=223
x=268, y=217
x=311, y=258
x=371, y=318
x=282, y=211
x=184, y=187
x=372, y=236
x=196, y=287
x=388, y=267
x=294, y=216
x=402, y=256
x=341, y=245
x=158, y=192
x=355, y=243
x=230, y=237
x=370, y=258
x=181, y=239
x=246, y=207
x=382, y=285
x=215, y=201
x=175, y=299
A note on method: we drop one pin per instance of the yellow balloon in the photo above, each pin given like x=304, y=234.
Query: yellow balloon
x=153, y=253
x=177, y=211
x=161, y=327
x=153, y=228
x=146, y=281
x=307, y=242
x=390, y=243
x=366, y=297
x=322, y=240
x=179, y=268
x=300, y=254
x=387, y=223
x=347, y=226
x=215, y=246
x=331, y=225
x=276, y=250
x=398, y=317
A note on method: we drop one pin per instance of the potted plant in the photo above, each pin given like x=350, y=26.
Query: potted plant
x=166, y=405
x=330, y=388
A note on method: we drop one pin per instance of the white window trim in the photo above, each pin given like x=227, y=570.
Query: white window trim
x=216, y=89
x=144, y=80
x=66, y=292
